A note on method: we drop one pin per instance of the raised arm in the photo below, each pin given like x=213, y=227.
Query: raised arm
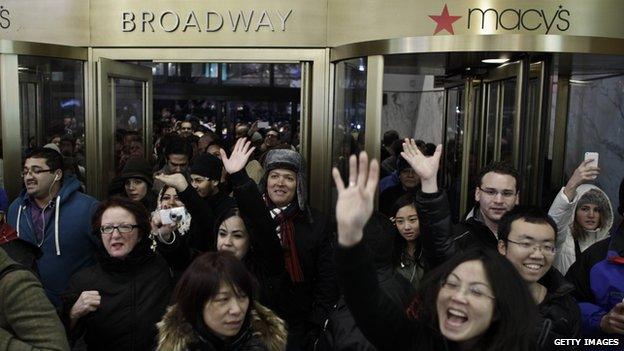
x=264, y=238
x=381, y=321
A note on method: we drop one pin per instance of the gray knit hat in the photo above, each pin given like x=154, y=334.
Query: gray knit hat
x=290, y=160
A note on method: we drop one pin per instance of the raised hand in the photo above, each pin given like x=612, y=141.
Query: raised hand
x=582, y=174
x=425, y=167
x=87, y=302
x=355, y=202
x=176, y=180
x=238, y=158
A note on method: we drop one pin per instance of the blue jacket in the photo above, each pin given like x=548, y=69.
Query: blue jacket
x=68, y=244
x=598, y=277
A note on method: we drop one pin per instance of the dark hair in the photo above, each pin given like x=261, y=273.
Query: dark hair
x=248, y=259
x=400, y=243
x=530, y=214
x=179, y=146
x=53, y=158
x=513, y=323
x=500, y=168
x=201, y=281
x=389, y=137
x=134, y=207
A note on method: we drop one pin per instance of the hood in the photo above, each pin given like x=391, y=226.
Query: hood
x=70, y=185
x=607, y=220
x=176, y=334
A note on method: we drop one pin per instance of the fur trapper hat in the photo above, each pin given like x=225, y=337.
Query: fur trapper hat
x=292, y=161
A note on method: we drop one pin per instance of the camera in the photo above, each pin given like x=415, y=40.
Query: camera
x=172, y=215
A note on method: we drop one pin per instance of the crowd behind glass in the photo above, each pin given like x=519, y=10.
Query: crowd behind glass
x=210, y=244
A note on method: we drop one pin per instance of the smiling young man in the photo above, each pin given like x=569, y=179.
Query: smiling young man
x=496, y=193
x=526, y=237
x=52, y=213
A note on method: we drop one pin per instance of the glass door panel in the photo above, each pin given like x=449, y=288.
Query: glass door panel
x=124, y=99
x=507, y=117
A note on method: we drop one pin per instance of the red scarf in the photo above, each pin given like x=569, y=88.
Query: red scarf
x=284, y=219
x=7, y=233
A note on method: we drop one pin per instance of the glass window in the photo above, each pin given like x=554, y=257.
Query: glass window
x=246, y=74
x=349, y=114
x=287, y=75
x=509, y=112
x=52, y=108
x=128, y=121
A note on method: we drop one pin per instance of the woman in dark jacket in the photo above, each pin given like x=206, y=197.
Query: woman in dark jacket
x=117, y=302
x=214, y=309
x=138, y=181
x=408, y=257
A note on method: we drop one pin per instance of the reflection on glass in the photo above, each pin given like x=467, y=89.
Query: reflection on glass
x=349, y=113
x=246, y=74
x=453, y=145
x=128, y=97
x=509, y=111
x=287, y=75
x=490, y=127
x=51, y=93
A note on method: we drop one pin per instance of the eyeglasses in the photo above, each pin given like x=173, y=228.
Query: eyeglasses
x=545, y=248
x=474, y=291
x=34, y=171
x=122, y=228
x=493, y=192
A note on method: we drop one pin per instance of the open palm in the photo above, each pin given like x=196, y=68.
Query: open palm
x=425, y=167
x=238, y=158
x=356, y=201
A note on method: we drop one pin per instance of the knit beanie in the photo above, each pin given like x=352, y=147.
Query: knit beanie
x=401, y=164
x=290, y=160
x=138, y=168
x=207, y=165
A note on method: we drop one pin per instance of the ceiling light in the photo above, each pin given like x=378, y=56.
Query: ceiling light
x=495, y=60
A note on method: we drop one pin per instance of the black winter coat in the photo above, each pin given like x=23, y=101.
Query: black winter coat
x=440, y=238
x=134, y=295
x=560, y=316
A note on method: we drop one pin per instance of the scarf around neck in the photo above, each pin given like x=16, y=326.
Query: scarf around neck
x=284, y=217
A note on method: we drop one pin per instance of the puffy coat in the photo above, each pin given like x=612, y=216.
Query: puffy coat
x=28, y=320
x=134, y=295
x=563, y=211
x=264, y=332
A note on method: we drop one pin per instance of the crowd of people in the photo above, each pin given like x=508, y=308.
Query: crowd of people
x=212, y=245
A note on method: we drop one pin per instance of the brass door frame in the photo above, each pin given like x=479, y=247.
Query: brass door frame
x=315, y=119
x=10, y=110
x=107, y=71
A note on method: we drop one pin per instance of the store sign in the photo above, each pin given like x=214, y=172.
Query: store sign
x=5, y=20
x=539, y=20
x=207, y=21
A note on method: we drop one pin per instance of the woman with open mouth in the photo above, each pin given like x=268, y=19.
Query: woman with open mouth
x=214, y=309
x=474, y=301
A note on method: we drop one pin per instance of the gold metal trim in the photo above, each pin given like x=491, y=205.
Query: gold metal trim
x=515, y=151
x=39, y=49
x=467, y=142
x=374, y=104
x=474, y=42
x=11, y=133
x=559, y=136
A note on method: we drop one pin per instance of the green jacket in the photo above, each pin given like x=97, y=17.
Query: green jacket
x=27, y=319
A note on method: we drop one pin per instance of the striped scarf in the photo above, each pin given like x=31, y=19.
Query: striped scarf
x=284, y=216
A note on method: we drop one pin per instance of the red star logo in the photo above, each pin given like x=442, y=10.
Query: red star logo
x=444, y=21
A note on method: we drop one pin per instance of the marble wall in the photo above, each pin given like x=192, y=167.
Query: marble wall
x=413, y=107
x=596, y=123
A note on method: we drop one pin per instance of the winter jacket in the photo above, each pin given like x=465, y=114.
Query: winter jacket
x=28, y=320
x=559, y=315
x=265, y=332
x=341, y=332
x=381, y=321
x=68, y=244
x=563, y=211
x=440, y=238
x=598, y=278
x=134, y=294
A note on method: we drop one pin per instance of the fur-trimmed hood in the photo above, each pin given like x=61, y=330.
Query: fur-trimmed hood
x=176, y=334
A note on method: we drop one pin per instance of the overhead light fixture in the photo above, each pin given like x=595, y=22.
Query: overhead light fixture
x=495, y=60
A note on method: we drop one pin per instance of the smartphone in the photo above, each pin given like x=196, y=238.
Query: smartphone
x=592, y=156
